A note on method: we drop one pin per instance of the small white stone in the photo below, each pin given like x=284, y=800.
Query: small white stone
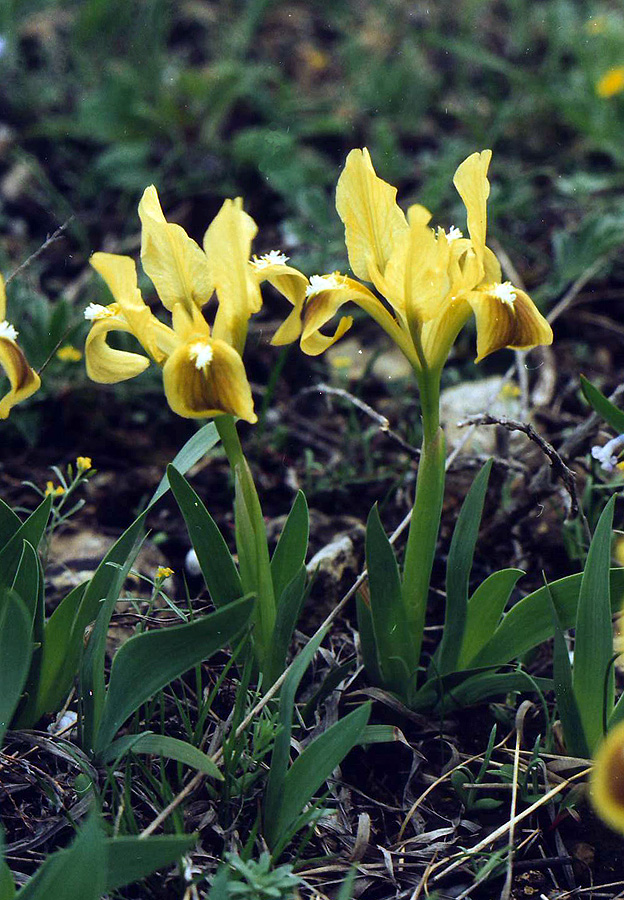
x=97, y=311
x=272, y=258
x=191, y=563
x=8, y=331
x=202, y=354
x=504, y=292
x=320, y=283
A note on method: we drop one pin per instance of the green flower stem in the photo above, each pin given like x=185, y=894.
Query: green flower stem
x=252, y=547
x=427, y=510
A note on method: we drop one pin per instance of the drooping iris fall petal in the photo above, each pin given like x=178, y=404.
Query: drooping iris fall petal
x=24, y=381
x=507, y=317
x=206, y=377
x=104, y=364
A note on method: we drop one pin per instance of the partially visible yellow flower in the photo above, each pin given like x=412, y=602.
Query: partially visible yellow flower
x=56, y=491
x=432, y=280
x=611, y=83
x=69, y=354
x=607, y=779
x=83, y=463
x=163, y=572
x=24, y=381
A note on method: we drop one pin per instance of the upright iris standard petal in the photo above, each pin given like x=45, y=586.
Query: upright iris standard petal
x=474, y=188
x=373, y=221
x=507, y=317
x=175, y=263
x=227, y=243
x=206, y=377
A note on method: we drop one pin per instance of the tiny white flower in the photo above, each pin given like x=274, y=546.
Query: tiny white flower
x=202, y=354
x=272, y=258
x=606, y=455
x=504, y=292
x=453, y=234
x=7, y=331
x=320, y=283
x=97, y=311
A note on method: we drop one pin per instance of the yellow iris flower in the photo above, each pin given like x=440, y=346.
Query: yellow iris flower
x=203, y=370
x=607, y=780
x=432, y=280
x=24, y=381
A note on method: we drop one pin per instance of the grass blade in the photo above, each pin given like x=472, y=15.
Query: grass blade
x=593, y=678
x=15, y=653
x=292, y=546
x=484, y=612
x=147, y=662
x=529, y=622
x=458, y=570
x=215, y=560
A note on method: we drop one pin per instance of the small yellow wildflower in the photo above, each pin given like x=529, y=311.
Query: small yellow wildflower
x=596, y=25
x=57, y=491
x=163, y=572
x=341, y=362
x=611, y=83
x=83, y=463
x=315, y=59
x=69, y=354
x=509, y=391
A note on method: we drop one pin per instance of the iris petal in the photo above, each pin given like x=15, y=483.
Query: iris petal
x=206, y=377
x=373, y=221
x=24, y=381
x=176, y=264
x=511, y=321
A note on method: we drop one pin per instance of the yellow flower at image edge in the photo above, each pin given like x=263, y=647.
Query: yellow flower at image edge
x=163, y=572
x=56, y=491
x=611, y=83
x=83, y=463
x=607, y=779
x=24, y=381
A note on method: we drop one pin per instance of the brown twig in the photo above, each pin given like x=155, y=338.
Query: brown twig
x=566, y=474
x=33, y=256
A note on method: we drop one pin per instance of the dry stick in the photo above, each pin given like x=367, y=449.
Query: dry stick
x=503, y=829
x=566, y=474
x=382, y=421
x=197, y=779
x=33, y=256
x=506, y=891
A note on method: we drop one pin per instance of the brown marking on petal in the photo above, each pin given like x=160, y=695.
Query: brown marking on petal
x=20, y=374
x=614, y=774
